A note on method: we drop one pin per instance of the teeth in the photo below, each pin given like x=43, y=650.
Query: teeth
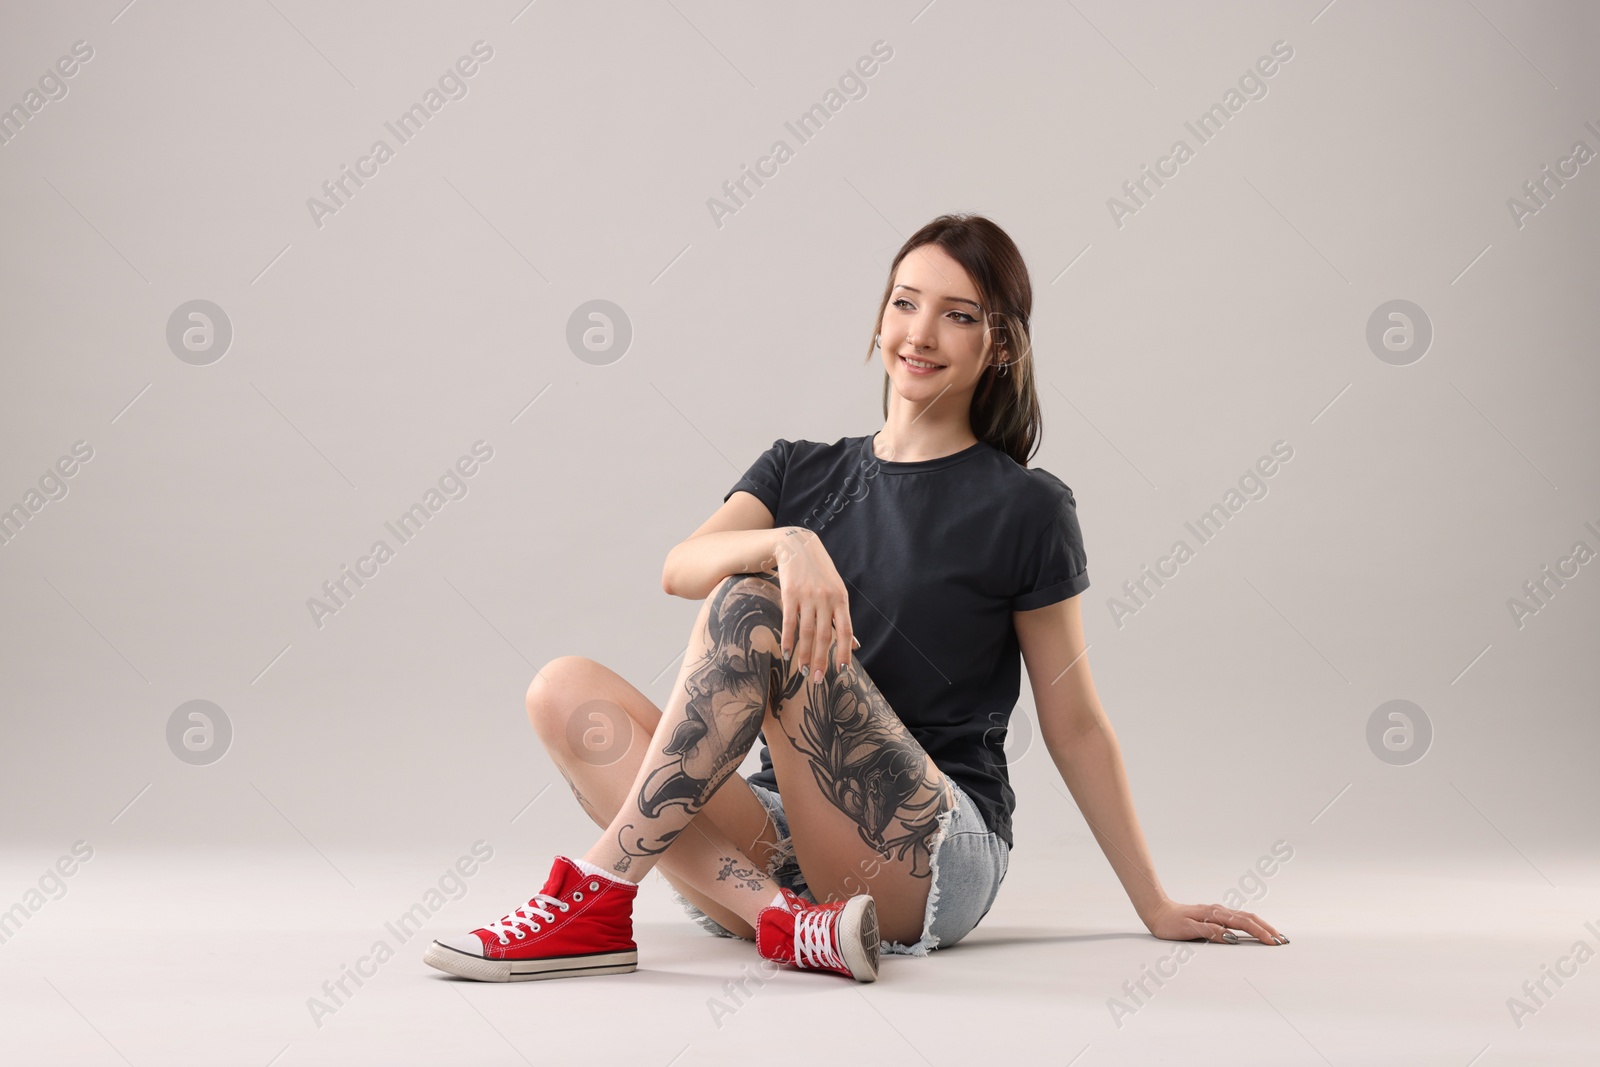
x=918, y=362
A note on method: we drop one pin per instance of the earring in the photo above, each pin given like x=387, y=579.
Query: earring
x=1005, y=368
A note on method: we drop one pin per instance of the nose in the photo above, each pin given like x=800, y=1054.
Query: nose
x=915, y=334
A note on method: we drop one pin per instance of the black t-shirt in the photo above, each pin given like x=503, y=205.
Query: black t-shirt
x=936, y=555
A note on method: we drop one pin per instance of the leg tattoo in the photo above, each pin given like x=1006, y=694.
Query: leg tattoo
x=729, y=689
x=864, y=759
x=866, y=762
x=745, y=877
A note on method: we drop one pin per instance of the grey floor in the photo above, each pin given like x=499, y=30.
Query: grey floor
x=210, y=957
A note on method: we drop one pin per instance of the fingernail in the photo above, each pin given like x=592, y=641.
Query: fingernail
x=786, y=653
x=856, y=641
x=1230, y=937
x=1282, y=940
x=805, y=668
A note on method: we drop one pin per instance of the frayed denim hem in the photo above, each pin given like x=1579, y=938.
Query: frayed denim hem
x=783, y=868
x=704, y=921
x=929, y=940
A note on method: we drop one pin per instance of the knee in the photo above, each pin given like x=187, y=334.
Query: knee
x=736, y=579
x=553, y=689
x=740, y=604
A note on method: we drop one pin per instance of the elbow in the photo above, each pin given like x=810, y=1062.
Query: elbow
x=667, y=575
x=1064, y=735
x=671, y=580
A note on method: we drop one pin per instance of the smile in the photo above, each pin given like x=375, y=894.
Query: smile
x=921, y=366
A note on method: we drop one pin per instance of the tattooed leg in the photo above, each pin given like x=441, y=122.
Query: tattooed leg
x=733, y=675
x=863, y=798
x=867, y=764
x=746, y=876
x=866, y=805
x=864, y=760
x=734, y=827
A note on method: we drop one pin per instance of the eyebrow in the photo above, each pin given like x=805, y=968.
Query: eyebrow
x=952, y=299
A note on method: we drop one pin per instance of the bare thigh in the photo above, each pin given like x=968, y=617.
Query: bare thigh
x=566, y=687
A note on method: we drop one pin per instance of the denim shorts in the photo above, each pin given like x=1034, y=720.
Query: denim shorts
x=969, y=862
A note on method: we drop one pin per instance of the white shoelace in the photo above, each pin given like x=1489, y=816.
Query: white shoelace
x=524, y=916
x=813, y=940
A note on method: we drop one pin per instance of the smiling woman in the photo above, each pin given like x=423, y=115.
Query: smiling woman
x=877, y=657
x=939, y=336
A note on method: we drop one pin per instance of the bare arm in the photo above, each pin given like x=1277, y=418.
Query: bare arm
x=738, y=538
x=1084, y=748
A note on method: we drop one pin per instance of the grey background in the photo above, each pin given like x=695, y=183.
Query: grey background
x=432, y=311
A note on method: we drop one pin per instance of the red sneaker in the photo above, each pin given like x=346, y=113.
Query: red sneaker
x=578, y=925
x=841, y=937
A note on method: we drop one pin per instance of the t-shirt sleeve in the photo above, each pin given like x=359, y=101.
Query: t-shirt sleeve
x=1058, y=567
x=764, y=479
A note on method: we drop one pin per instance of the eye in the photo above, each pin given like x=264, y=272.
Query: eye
x=965, y=319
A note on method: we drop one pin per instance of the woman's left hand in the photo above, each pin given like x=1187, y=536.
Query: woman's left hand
x=1172, y=921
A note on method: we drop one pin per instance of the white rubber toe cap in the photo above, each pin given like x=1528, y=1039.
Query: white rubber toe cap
x=468, y=943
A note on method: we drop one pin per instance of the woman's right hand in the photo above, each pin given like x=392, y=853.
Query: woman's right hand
x=816, y=604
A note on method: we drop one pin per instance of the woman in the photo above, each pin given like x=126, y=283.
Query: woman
x=881, y=817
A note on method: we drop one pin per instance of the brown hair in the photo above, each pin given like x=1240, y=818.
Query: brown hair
x=1005, y=408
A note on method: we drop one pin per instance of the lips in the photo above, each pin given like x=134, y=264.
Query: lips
x=925, y=370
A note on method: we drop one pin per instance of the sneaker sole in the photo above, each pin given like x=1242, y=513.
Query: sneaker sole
x=858, y=937
x=464, y=965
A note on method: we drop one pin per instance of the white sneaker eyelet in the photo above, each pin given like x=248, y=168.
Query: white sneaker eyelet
x=565, y=906
x=520, y=934
x=536, y=926
x=594, y=885
x=503, y=941
x=577, y=894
